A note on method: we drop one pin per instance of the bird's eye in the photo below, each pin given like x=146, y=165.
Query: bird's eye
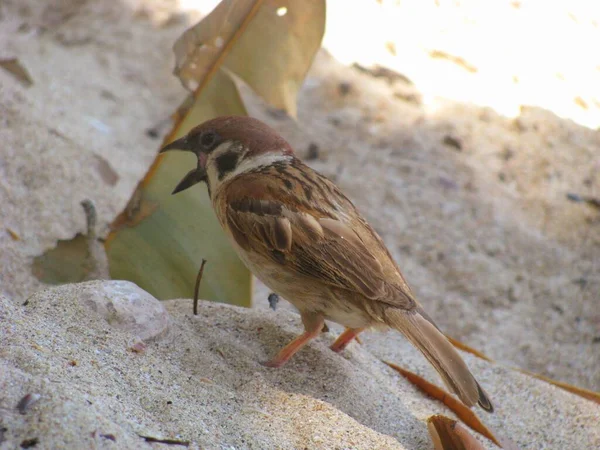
x=208, y=139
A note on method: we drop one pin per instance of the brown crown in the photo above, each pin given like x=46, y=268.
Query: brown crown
x=252, y=133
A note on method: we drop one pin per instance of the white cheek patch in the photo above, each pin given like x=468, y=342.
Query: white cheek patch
x=246, y=165
x=265, y=159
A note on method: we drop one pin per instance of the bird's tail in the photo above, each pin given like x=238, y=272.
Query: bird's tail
x=419, y=329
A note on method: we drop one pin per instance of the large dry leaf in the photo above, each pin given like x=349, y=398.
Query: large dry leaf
x=448, y=434
x=463, y=412
x=269, y=44
x=159, y=241
x=203, y=47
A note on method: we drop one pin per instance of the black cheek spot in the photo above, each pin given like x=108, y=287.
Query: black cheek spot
x=226, y=163
x=278, y=256
x=288, y=184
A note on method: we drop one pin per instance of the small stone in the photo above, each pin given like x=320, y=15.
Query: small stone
x=273, y=300
x=122, y=304
x=126, y=306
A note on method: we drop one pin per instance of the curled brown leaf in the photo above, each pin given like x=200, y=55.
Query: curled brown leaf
x=448, y=434
x=585, y=393
x=201, y=49
x=461, y=410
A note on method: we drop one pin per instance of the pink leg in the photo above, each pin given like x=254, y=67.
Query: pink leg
x=313, y=324
x=345, y=338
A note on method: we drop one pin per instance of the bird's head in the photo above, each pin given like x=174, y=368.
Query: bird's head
x=228, y=146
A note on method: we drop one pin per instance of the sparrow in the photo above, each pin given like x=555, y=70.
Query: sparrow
x=303, y=238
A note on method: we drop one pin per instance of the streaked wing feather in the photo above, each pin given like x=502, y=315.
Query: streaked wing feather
x=269, y=212
x=323, y=248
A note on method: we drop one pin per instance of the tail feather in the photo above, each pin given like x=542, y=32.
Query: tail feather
x=420, y=330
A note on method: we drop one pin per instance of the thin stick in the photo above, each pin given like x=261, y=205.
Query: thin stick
x=197, y=287
x=165, y=441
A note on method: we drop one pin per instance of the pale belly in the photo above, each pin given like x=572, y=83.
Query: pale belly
x=305, y=294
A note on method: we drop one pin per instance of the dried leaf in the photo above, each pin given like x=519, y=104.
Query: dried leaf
x=73, y=260
x=158, y=240
x=16, y=69
x=461, y=410
x=438, y=54
x=448, y=434
x=13, y=234
x=202, y=48
x=585, y=393
x=269, y=44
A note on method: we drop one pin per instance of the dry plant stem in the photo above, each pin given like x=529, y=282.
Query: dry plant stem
x=197, y=286
x=96, y=261
x=312, y=328
x=345, y=338
x=585, y=393
x=165, y=441
x=91, y=218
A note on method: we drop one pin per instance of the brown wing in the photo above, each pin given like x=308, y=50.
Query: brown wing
x=331, y=242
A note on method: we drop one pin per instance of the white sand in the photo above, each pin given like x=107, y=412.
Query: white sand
x=221, y=397
x=484, y=235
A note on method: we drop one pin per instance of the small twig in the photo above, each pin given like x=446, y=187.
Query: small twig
x=90, y=218
x=197, y=286
x=165, y=441
x=96, y=261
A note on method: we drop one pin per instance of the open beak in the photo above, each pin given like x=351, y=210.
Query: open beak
x=194, y=176
x=178, y=144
